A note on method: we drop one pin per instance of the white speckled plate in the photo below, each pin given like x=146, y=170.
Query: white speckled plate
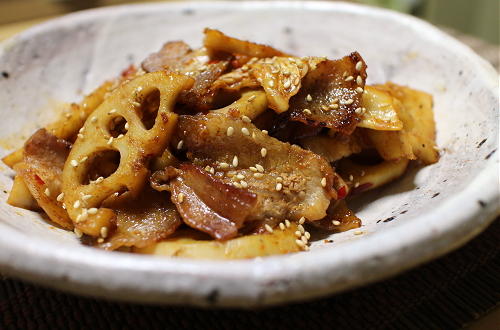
x=435, y=209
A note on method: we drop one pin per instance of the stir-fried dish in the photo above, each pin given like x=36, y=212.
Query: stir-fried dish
x=232, y=150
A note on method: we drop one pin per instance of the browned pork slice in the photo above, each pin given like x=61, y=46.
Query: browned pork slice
x=176, y=56
x=331, y=93
x=41, y=170
x=208, y=204
x=143, y=221
x=289, y=182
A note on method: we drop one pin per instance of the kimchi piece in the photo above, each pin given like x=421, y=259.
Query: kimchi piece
x=231, y=150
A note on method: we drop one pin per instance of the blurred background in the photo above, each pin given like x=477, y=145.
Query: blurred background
x=474, y=22
x=478, y=18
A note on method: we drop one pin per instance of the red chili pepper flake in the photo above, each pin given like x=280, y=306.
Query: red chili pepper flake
x=129, y=71
x=341, y=193
x=39, y=180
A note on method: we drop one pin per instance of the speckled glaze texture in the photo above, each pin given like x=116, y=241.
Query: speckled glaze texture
x=427, y=213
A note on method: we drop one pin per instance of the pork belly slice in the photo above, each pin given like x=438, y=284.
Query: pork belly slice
x=289, y=182
x=210, y=205
x=41, y=170
x=330, y=94
x=142, y=221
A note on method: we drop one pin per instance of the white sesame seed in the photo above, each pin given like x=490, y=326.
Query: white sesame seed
x=212, y=170
x=47, y=192
x=127, y=126
x=244, y=184
x=356, y=185
x=104, y=232
x=304, y=239
x=246, y=119
x=93, y=119
x=359, y=66
x=287, y=223
x=253, y=169
x=253, y=135
x=100, y=240
x=235, y=161
x=351, y=177
x=240, y=176
x=68, y=115
x=309, y=98
x=279, y=179
x=279, y=186
x=260, y=168
x=307, y=235
x=282, y=226
x=120, y=136
x=358, y=232
x=300, y=243
x=334, y=106
x=207, y=168
x=263, y=152
x=359, y=80
x=81, y=130
x=63, y=206
x=86, y=197
x=84, y=215
x=265, y=131
x=99, y=179
x=237, y=185
x=349, y=78
x=323, y=182
x=230, y=131
x=78, y=232
x=245, y=131
x=358, y=111
x=80, y=136
x=60, y=197
x=336, y=222
x=76, y=204
x=307, y=112
x=74, y=163
x=302, y=220
x=324, y=107
x=287, y=84
x=268, y=228
x=180, y=197
x=84, y=159
x=298, y=233
x=223, y=165
x=92, y=210
x=180, y=144
x=270, y=83
x=110, y=140
x=258, y=175
x=251, y=98
x=112, y=111
x=135, y=103
x=359, y=90
x=301, y=228
x=347, y=102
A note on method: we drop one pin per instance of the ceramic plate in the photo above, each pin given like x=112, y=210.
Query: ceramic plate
x=427, y=213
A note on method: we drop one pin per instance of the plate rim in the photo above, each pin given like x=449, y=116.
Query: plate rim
x=265, y=283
